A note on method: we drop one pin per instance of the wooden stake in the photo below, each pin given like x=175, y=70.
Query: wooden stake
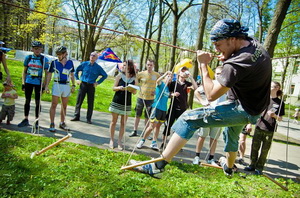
x=142, y=163
x=209, y=165
x=279, y=184
x=51, y=146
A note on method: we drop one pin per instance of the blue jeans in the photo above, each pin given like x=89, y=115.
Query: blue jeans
x=227, y=114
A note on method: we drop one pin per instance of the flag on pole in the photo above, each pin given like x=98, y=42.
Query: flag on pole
x=109, y=55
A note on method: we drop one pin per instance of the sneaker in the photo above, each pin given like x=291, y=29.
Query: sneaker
x=149, y=169
x=154, y=146
x=212, y=162
x=63, y=126
x=52, y=128
x=24, y=123
x=140, y=144
x=196, y=160
x=242, y=162
x=249, y=168
x=149, y=138
x=223, y=161
x=133, y=134
x=258, y=172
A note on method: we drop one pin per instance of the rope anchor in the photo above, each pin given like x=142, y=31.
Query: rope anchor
x=50, y=146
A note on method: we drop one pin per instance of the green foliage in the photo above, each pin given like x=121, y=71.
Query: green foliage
x=72, y=170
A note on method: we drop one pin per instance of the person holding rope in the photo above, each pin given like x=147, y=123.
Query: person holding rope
x=247, y=69
x=63, y=70
x=264, y=130
x=3, y=61
x=147, y=81
x=179, y=102
x=32, y=79
x=90, y=72
x=121, y=103
x=158, y=109
x=213, y=132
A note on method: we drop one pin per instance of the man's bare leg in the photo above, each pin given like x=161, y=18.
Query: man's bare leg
x=174, y=146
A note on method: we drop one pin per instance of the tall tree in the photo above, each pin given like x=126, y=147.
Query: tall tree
x=275, y=26
x=177, y=13
x=95, y=12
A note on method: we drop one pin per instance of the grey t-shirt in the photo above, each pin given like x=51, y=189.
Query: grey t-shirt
x=248, y=73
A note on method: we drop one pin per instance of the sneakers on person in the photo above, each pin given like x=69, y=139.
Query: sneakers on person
x=140, y=144
x=258, y=172
x=24, y=123
x=52, y=128
x=154, y=146
x=249, y=168
x=133, y=134
x=63, y=126
x=196, y=160
x=242, y=162
x=149, y=169
x=227, y=173
x=212, y=162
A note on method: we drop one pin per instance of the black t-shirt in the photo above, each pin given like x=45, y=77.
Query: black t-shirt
x=180, y=102
x=266, y=122
x=248, y=73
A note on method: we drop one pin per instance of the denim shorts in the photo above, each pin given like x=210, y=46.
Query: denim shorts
x=226, y=114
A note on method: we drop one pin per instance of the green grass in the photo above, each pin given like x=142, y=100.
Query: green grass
x=72, y=170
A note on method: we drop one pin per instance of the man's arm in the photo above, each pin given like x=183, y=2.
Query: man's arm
x=213, y=90
x=103, y=75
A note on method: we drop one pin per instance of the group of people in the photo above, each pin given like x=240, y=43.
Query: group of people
x=242, y=94
x=251, y=99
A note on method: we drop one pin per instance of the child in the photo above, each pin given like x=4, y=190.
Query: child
x=8, y=107
x=296, y=116
x=158, y=109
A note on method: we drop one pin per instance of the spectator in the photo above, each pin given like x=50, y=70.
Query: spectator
x=3, y=61
x=264, y=130
x=146, y=80
x=90, y=72
x=8, y=108
x=213, y=132
x=63, y=70
x=158, y=109
x=178, y=103
x=121, y=104
x=32, y=79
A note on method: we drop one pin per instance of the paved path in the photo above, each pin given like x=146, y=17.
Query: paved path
x=97, y=135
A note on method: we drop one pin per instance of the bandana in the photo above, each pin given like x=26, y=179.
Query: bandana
x=226, y=28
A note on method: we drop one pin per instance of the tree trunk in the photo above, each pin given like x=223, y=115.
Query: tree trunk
x=199, y=44
x=275, y=26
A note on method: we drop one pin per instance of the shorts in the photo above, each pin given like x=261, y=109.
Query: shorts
x=229, y=114
x=9, y=111
x=140, y=104
x=158, y=115
x=61, y=90
x=213, y=132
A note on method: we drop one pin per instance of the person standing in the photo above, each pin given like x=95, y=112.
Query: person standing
x=242, y=143
x=264, y=130
x=147, y=82
x=8, y=108
x=178, y=104
x=63, y=70
x=158, y=109
x=32, y=79
x=121, y=103
x=90, y=73
x=213, y=132
x=3, y=61
x=247, y=69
